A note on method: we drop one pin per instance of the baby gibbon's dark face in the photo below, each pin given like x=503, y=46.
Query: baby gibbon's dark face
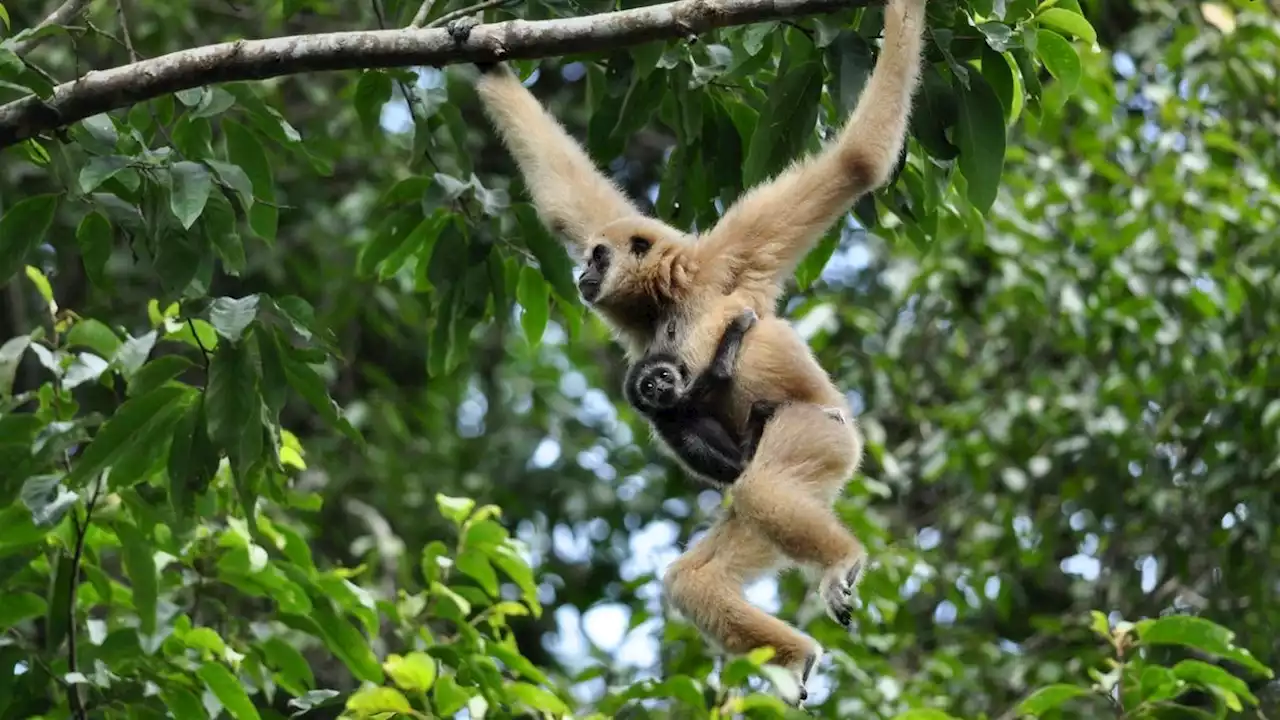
x=661, y=386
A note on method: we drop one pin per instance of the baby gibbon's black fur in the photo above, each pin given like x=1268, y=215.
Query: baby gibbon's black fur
x=690, y=414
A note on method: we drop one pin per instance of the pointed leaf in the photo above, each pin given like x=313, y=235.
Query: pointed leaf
x=981, y=134
x=137, y=422
x=229, y=691
x=1049, y=697
x=22, y=229
x=140, y=566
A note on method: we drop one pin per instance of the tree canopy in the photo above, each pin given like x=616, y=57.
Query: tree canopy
x=301, y=414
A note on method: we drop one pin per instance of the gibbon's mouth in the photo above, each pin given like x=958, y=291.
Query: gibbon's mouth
x=589, y=287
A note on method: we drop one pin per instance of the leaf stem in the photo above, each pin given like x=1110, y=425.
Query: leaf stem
x=63, y=14
x=82, y=531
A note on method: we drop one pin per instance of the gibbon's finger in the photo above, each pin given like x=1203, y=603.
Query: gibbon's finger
x=571, y=195
x=486, y=67
x=773, y=225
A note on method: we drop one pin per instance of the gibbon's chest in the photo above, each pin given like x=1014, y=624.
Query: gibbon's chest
x=775, y=363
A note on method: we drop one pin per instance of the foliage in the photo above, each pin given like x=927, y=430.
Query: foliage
x=273, y=356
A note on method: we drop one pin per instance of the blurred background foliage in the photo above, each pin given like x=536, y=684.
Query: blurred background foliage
x=1057, y=326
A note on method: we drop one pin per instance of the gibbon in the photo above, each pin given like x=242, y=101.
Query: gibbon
x=642, y=274
x=689, y=414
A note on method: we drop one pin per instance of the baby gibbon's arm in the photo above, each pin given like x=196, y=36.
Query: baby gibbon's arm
x=571, y=195
x=763, y=235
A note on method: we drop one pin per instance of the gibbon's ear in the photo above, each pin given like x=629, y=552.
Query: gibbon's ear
x=571, y=195
x=762, y=236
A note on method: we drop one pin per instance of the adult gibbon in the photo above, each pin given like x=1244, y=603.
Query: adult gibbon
x=689, y=413
x=642, y=274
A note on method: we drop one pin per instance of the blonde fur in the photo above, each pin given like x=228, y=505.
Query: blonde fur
x=782, y=510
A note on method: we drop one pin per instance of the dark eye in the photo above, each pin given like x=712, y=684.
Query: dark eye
x=639, y=245
x=647, y=386
x=599, y=254
x=665, y=374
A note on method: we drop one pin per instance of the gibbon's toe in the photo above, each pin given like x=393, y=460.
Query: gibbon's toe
x=460, y=29
x=838, y=591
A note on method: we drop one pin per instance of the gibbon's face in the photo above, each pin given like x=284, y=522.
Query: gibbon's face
x=661, y=386
x=629, y=265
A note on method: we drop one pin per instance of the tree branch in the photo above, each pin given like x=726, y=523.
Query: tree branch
x=120, y=87
x=63, y=14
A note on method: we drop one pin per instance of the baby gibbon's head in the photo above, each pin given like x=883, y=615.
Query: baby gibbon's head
x=636, y=266
x=656, y=383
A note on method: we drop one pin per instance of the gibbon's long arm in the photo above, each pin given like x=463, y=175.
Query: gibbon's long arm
x=571, y=195
x=763, y=235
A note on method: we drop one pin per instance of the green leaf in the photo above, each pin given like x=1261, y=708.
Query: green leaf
x=100, y=169
x=537, y=698
x=346, y=642
x=999, y=74
x=4, y=16
x=20, y=606
x=415, y=672
x=790, y=116
x=923, y=714
x=312, y=388
x=236, y=178
x=23, y=228
x=552, y=259
x=94, y=237
x=182, y=703
x=140, y=566
x=474, y=564
x=850, y=60
x=1059, y=58
x=1049, y=697
x=1201, y=634
x=448, y=697
x=230, y=316
x=371, y=700
x=232, y=406
x=1069, y=22
x=810, y=268
x=391, y=234
x=312, y=700
x=534, y=298
x=156, y=373
x=94, y=335
x=457, y=509
x=229, y=691
x=980, y=131
x=11, y=353
x=372, y=92
x=419, y=242
x=136, y=423
x=192, y=460
x=243, y=149
x=1213, y=677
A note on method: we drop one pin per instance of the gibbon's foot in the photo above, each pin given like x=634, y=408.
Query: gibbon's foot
x=802, y=677
x=460, y=29
x=835, y=413
x=839, y=589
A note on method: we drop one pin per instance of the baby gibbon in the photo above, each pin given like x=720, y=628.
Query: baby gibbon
x=690, y=414
x=642, y=274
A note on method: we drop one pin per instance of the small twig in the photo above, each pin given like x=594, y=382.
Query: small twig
x=60, y=16
x=124, y=30
x=449, y=17
x=82, y=531
x=203, y=352
x=421, y=16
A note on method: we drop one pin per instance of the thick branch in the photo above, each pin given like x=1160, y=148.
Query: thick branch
x=63, y=14
x=98, y=92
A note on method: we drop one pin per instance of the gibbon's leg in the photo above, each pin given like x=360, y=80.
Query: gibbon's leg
x=706, y=585
x=772, y=226
x=787, y=492
x=570, y=193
